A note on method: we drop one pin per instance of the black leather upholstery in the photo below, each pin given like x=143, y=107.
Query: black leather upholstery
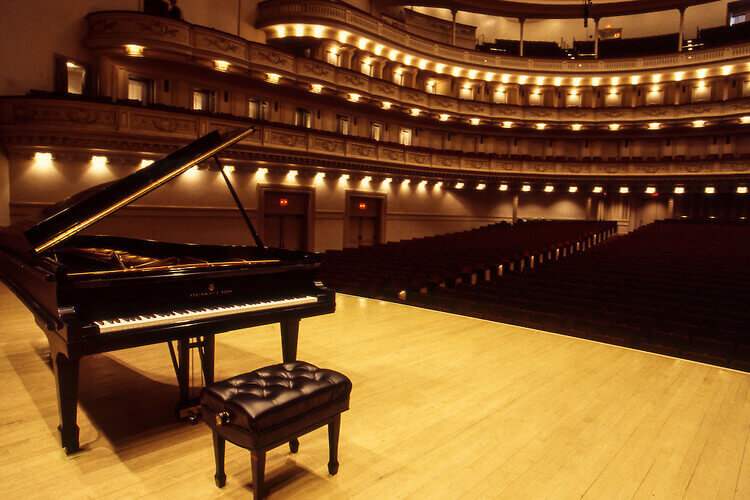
x=274, y=395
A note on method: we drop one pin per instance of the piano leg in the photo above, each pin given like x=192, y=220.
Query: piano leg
x=289, y=334
x=66, y=376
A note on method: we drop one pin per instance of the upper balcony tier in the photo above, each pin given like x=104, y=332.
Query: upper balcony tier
x=344, y=24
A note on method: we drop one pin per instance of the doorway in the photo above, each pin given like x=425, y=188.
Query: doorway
x=286, y=220
x=364, y=220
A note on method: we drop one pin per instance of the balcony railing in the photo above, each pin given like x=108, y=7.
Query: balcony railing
x=76, y=128
x=345, y=17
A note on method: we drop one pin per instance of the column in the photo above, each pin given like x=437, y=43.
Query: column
x=515, y=208
x=682, y=25
x=521, y=21
x=596, y=36
x=453, y=27
x=589, y=211
x=4, y=189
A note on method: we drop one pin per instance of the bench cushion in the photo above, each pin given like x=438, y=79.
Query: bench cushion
x=275, y=395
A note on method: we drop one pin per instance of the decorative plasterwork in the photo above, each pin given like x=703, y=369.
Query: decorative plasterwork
x=75, y=130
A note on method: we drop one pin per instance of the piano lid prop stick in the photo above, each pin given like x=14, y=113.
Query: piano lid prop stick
x=239, y=206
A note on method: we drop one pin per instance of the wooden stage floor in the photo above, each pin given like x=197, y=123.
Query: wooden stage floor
x=442, y=406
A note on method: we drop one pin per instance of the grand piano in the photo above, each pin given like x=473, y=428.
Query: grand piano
x=92, y=293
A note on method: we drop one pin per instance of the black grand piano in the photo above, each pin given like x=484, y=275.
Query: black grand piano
x=93, y=294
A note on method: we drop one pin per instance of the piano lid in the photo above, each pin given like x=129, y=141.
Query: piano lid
x=76, y=213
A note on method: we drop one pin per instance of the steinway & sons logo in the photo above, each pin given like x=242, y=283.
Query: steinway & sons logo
x=212, y=291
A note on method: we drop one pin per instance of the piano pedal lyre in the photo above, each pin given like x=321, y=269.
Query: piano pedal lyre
x=187, y=408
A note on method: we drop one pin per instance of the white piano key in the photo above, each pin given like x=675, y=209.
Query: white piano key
x=144, y=321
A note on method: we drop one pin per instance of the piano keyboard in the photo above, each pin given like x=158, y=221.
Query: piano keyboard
x=151, y=320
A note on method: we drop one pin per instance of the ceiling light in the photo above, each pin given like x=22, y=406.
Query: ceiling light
x=656, y=78
x=387, y=180
x=273, y=77
x=654, y=126
x=595, y=81
x=299, y=30
x=651, y=190
x=679, y=189
x=488, y=77
x=678, y=76
x=378, y=49
x=366, y=179
x=439, y=68
x=43, y=158
x=456, y=71
x=615, y=80
x=558, y=81
x=407, y=59
x=541, y=126
x=507, y=124
x=624, y=190
x=614, y=126
x=344, y=177
x=635, y=79
x=505, y=78
x=709, y=190
x=292, y=174
x=472, y=74
x=576, y=126
x=316, y=88
x=598, y=189
x=474, y=121
x=386, y=105
x=540, y=80
x=318, y=31
x=699, y=123
x=146, y=163
x=422, y=63
x=572, y=189
x=392, y=55
x=444, y=118
x=526, y=188
x=261, y=171
x=363, y=43
x=741, y=189
x=354, y=97
x=414, y=112
x=481, y=186
x=438, y=184
x=343, y=35
x=228, y=168
x=745, y=119
x=221, y=65
x=522, y=79
x=725, y=70
x=549, y=188
x=503, y=187
x=702, y=73
x=459, y=185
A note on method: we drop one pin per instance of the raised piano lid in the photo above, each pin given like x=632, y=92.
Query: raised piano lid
x=76, y=213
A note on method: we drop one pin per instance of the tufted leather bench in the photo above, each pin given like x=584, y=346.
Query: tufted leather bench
x=265, y=408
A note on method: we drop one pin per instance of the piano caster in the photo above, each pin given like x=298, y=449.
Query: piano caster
x=189, y=414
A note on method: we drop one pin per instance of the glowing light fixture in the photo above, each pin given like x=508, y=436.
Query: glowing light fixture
x=572, y=189
x=344, y=177
x=387, y=180
x=459, y=185
x=725, y=70
x=474, y=121
x=438, y=184
x=273, y=77
x=699, y=123
x=415, y=112
x=616, y=80
x=386, y=105
x=261, y=171
x=745, y=119
x=679, y=75
x=507, y=124
x=624, y=190
x=576, y=126
x=598, y=189
x=526, y=188
x=407, y=59
x=316, y=88
x=702, y=73
x=292, y=174
x=488, y=77
x=481, y=186
x=134, y=50
x=741, y=189
x=43, y=158
x=595, y=81
x=299, y=30
x=679, y=190
x=540, y=80
x=366, y=179
x=656, y=78
x=541, y=126
x=99, y=161
x=392, y=55
x=549, y=188
x=505, y=78
x=522, y=79
x=318, y=31
x=439, y=68
x=557, y=81
x=614, y=126
x=576, y=82
x=221, y=65
x=456, y=71
x=709, y=190
x=651, y=190
x=472, y=74
x=635, y=79
x=503, y=187
x=354, y=97
x=654, y=126
x=228, y=168
x=444, y=118
x=281, y=31
x=422, y=63
x=363, y=43
x=378, y=49
x=319, y=176
x=343, y=36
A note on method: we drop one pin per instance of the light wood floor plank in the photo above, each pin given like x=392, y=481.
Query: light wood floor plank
x=443, y=406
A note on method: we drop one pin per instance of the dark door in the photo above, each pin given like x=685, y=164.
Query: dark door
x=285, y=219
x=364, y=221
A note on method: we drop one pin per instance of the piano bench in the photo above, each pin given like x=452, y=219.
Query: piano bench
x=271, y=406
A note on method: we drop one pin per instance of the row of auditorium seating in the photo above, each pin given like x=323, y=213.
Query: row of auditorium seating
x=676, y=288
x=417, y=264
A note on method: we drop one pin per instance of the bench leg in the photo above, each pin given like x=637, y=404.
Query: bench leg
x=294, y=445
x=259, y=465
x=219, y=445
x=333, y=444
